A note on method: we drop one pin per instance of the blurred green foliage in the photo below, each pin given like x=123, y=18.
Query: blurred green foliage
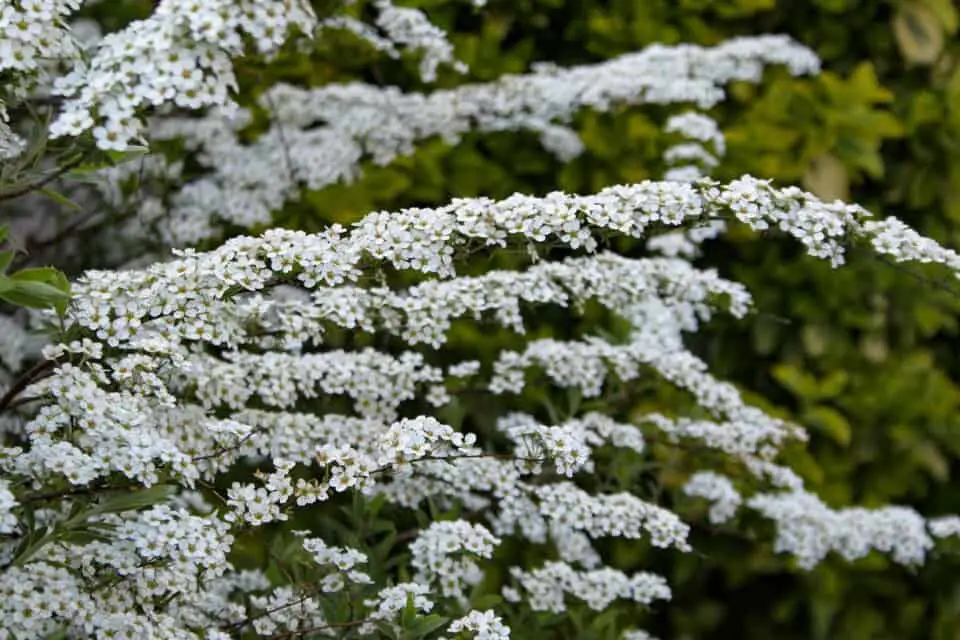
x=866, y=356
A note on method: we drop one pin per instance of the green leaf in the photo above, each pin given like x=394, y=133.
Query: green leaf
x=60, y=281
x=386, y=629
x=127, y=502
x=801, y=384
x=86, y=174
x=379, y=526
x=868, y=88
x=132, y=153
x=32, y=544
x=4, y=233
x=426, y=625
x=947, y=12
x=830, y=422
x=487, y=601
x=409, y=613
x=928, y=455
x=104, y=160
x=61, y=199
x=834, y=384
x=6, y=257
x=606, y=621
x=37, y=274
x=38, y=288
x=34, y=295
x=382, y=548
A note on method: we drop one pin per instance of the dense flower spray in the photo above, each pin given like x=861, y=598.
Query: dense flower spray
x=192, y=404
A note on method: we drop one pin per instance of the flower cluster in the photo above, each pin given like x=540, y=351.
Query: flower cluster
x=285, y=612
x=545, y=588
x=34, y=37
x=621, y=515
x=190, y=366
x=944, y=527
x=691, y=160
x=33, y=33
x=180, y=54
x=718, y=490
x=412, y=29
x=809, y=529
x=443, y=555
x=16, y=344
x=343, y=559
x=392, y=600
x=412, y=439
x=155, y=553
x=486, y=625
x=8, y=520
x=11, y=145
x=320, y=135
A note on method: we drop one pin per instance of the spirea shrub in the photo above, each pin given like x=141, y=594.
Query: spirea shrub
x=273, y=437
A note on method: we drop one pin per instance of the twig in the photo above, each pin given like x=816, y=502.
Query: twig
x=287, y=160
x=937, y=284
x=331, y=625
x=42, y=182
x=76, y=491
x=36, y=372
x=226, y=449
x=237, y=626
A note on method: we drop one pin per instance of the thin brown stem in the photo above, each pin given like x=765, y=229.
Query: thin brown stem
x=299, y=633
x=238, y=626
x=37, y=372
x=75, y=491
x=42, y=182
x=227, y=449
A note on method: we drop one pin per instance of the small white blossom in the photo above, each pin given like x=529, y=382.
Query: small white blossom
x=724, y=498
x=485, y=625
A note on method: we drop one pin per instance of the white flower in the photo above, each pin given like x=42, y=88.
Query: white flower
x=485, y=625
